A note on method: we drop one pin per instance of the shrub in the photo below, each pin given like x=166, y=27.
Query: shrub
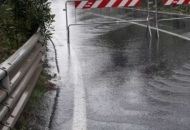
x=20, y=19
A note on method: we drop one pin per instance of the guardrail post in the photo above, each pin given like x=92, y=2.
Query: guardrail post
x=42, y=42
x=6, y=82
x=43, y=56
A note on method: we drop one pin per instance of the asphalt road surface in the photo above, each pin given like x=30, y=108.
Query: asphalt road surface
x=113, y=78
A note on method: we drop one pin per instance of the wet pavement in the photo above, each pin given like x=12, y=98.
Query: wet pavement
x=110, y=78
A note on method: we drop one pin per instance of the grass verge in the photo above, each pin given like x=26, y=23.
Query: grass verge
x=28, y=117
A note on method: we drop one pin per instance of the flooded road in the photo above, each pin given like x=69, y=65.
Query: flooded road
x=111, y=79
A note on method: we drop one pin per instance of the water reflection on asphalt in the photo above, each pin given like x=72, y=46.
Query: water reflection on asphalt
x=129, y=89
x=128, y=85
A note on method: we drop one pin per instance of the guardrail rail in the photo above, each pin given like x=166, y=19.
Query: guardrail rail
x=18, y=76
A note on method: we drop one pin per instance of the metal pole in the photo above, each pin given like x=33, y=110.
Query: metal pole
x=67, y=27
x=150, y=50
x=92, y=15
x=156, y=5
x=75, y=17
x=83, y=15
x=100, y=15
x=148, y=26
x=158, y=42
x=132, y=13
x=6, y=83
x=148, y=11
x=186, y=9
x=148, y=21
x=68, y=35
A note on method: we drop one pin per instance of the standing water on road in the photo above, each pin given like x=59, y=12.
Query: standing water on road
x=111, y=79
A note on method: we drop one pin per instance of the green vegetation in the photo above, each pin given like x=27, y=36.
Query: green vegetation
x=176, y=9
x=28, y=116
x=19, y=20
x=29, y=113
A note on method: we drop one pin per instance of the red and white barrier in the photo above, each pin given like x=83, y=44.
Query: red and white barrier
x=106, y=3
x=176, y=2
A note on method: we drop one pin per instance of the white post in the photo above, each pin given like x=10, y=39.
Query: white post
x=156, y=6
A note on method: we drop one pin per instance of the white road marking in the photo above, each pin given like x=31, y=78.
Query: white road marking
x=79, y=116
x=79, y=95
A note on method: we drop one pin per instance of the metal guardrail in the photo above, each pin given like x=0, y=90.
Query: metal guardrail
x=18, y=76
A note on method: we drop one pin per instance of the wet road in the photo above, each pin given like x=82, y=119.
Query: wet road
x=110, y=78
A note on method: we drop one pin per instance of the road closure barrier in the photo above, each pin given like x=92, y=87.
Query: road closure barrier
x=176, y=2
x=106, y=3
